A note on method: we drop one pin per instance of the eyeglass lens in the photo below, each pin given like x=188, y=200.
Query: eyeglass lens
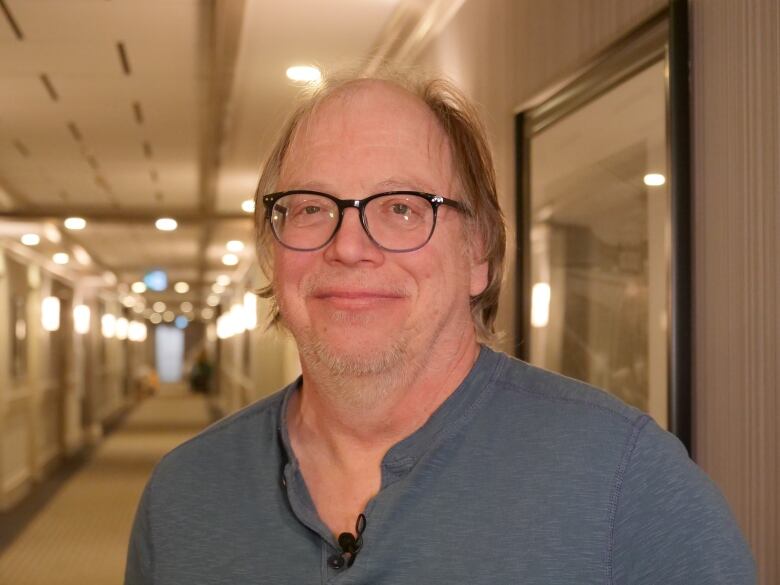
x=395, y=222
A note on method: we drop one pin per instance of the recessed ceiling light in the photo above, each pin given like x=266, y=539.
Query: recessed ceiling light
x=248, y=205
x=223, y=280
x=234, y=246
x=31, y=239
x=181, y=287
x=75, y=223
x=61, y=258
x=229, y=259
x=304, y=73
x=138, y=287
x=654, y=179
x=166, y=224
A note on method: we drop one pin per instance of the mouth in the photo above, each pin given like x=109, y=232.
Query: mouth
x=356, y=298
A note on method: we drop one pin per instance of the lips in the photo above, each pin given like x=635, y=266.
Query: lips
x=355, y=298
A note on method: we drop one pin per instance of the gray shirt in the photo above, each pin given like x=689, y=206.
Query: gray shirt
x=521, y=476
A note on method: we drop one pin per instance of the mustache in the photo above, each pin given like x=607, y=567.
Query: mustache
x=319, y=285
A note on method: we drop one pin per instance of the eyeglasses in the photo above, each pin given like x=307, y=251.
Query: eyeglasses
x=396, y=221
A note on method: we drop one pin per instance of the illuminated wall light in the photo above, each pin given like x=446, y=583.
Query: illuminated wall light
x=229, y=259
x=186, y=306
x=75, y=223
x=181, y=287
x=81, y=319
x=108, y=325
x=250, y=310
x=224, y=330
x=122, y=328
x=166, y=224
x=158, y=307
x=50, y=313
x=223, y=280
x=540, y=304
x=31, y=239
x=61, y=258
x=304, y=74
x=234, y=246
x=136, y=331
x=237, y=319
x=248, y=206
x=654, y=179
x=138, y=287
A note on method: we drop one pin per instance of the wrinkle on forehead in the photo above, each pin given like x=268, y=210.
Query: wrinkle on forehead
x=338, y=120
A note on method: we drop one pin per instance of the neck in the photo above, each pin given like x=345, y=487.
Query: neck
x=349, y=433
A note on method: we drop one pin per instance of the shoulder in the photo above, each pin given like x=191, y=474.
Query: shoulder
x=561, y=398
x=232, y=442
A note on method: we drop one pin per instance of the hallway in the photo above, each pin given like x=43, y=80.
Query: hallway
x=80, y=535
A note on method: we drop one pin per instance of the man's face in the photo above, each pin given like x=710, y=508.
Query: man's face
x=352, y=306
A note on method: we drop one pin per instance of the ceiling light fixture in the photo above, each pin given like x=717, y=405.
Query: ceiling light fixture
x=138, y=287
x=186, y=306
x=61, y=258
x=181, y=287
x=223, y=280
x=304, y=74
x=166, y=224
x=75, y=223
x=31, y=239
x=158, y=307
x=234, y=246
x=229, y=259
x=248, y=206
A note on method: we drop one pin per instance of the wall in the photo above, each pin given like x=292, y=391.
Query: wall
x=505, y=52
x=736, y=147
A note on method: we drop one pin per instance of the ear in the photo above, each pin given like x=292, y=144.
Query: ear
x=479, y=278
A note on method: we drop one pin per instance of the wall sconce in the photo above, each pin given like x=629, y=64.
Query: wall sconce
x=81, y=319
x=122, y=328
x=108, y=325
x=540, y=304
x=50, y=313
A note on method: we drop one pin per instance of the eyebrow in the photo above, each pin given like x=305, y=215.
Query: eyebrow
x=389, y=184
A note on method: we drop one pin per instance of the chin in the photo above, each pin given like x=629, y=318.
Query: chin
x=354, y=355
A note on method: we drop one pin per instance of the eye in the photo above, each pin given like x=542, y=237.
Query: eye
x=400, y=208
x=310, y=209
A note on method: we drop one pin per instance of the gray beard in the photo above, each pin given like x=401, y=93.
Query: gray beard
x=357, y=382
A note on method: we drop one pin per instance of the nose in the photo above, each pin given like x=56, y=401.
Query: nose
x=351, y=244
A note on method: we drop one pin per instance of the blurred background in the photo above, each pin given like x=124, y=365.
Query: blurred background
x=132, y=135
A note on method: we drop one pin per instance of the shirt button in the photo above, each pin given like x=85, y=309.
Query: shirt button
x=336, y=562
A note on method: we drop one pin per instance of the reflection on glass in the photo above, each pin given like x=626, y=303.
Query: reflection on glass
x=599, y=233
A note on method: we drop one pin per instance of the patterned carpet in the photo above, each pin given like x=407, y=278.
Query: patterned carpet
x=80, y=535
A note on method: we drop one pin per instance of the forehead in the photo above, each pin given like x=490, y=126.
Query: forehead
x=370, y=128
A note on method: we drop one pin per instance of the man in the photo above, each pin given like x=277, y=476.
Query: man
x=408, y=452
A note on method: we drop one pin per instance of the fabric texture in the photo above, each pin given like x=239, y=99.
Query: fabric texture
x=521, y=476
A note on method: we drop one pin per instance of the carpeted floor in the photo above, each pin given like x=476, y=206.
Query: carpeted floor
x=79, y=537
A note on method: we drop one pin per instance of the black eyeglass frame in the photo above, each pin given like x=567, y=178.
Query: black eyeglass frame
x=360, y=205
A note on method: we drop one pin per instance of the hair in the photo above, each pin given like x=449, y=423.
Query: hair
x=472, y=160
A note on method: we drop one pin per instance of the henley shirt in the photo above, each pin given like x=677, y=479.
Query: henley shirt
x=521, y=476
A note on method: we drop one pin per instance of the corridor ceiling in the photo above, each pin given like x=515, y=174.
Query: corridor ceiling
x=125, y=111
